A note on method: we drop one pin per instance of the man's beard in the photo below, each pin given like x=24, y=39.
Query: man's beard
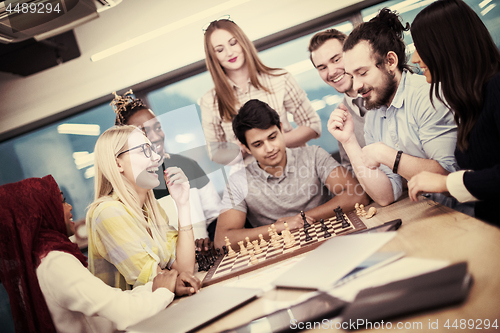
x=384, y=93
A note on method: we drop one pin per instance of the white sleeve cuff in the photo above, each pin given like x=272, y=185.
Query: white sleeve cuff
x=456, y=187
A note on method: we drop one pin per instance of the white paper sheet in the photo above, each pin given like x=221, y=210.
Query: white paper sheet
x=332, y=260
x=401, y=269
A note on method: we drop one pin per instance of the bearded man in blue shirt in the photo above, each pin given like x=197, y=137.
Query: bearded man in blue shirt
x=404, y=132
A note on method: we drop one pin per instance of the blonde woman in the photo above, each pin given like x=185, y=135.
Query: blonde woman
x=130, y=240
x=238, y=76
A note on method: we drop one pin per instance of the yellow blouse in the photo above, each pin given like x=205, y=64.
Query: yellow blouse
x=122, y=252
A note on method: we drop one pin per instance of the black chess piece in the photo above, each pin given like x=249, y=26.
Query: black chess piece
x=210, y=260
x=218, y=252
x=206, y=263
x=306, y=224
x=345, y=223
x=339, y=214
x=308, y=237
x=225, y=250
x=323, y=226
x=199, y=261
x=327, y=233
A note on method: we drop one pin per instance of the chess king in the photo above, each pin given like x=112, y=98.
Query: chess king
x=282, y=181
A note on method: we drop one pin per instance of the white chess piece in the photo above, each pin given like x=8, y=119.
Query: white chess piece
x=262, y=240
x=243, y=250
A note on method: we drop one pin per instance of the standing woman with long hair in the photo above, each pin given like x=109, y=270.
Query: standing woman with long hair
x=462, y=64
x=238, y=76
x=130, y=240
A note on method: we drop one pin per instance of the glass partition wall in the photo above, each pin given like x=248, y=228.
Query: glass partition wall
x=65, y=149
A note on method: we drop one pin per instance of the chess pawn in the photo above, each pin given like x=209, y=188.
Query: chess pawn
x=230, y=251
x=249, y=244
x=243, y=250
x=284, y=235
x=362, y=210
x=288, y=240
x=275, y=243
x=256, y=246
x=253, y=259
x=356, y=206
x=286, y=227
x=262, y=241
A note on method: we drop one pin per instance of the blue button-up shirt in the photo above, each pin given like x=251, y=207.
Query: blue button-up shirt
x=413, y=125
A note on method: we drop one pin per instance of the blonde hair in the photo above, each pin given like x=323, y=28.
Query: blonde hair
x=225, y=96
x=109, y=181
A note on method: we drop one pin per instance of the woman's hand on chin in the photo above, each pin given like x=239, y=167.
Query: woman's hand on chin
x=178, y=185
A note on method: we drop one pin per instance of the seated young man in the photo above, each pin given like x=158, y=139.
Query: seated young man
x=282, y=181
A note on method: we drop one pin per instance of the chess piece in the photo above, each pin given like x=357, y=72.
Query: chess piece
x=253, y=259
x=249, y=244
x=286, y=227
x=323, y=226
x=262, y=241
x=273, y=227
x=218, y=252
x=327, y=233
x=372, y=211
x=198, y=260
x=345, y=223
x=288, y=239
x=230, y=251
x=308, y=237
x=306, y=224
x=224, y=250
x=339, y=214
x=256, y=246
x=356, y=206
x=210, y=260
x=362, y=211
x=274, y=242
x=243, y=250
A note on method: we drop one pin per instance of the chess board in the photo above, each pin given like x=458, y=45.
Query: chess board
x=226, y=268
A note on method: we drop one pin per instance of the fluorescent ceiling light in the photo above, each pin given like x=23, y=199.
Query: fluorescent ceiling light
x=484, y=3
x=410, y=48
x=185, y=138
x=402, y=7
x=83, y=160
x=318, y=104
x=417, y=5
x=166, y=29
x=333, y=99
x=487, y=9
x=299, y=67
x=79, y=154
x=79, y=129
x=89, y=173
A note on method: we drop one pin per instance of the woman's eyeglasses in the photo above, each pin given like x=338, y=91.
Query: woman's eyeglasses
x=147, y=149
x=224, y=17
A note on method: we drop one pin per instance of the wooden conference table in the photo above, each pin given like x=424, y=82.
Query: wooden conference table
x=429, y=230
